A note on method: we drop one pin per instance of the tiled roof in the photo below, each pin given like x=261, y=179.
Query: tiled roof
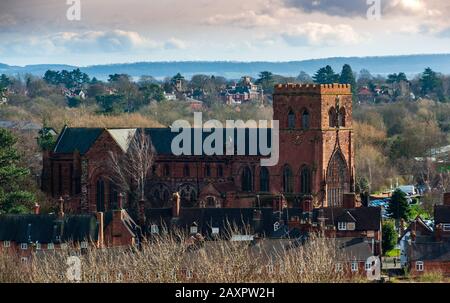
x=73, y=138
x=82, y=139
x=441, y=214
x=366, y=218
x=46, y=228
x=435, y=251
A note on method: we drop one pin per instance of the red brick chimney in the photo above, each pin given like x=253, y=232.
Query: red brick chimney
x=61, y=208
x=447, y=199
x=101, y=228
x=176, y=205
x=349, y=200
x=37, y=209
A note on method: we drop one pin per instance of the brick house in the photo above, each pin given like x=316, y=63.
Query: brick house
x=25, y=235
x=430, y=251
x=316, y=160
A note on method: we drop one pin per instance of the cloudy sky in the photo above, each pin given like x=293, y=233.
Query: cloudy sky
x=112, y=31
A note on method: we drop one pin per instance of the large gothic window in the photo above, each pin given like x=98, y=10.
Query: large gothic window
x=264, y=179
x=160, y=196
x=305, y=119
x=305, y=180
x=337, y=180
x=100, y=191
x=341, y=120
x=188, y=195
x=113, y=196
x=246, y=179
x=332, y=117
x=288, y=181
x=291, y=119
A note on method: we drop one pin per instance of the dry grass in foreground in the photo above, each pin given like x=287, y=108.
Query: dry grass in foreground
x=168, y=259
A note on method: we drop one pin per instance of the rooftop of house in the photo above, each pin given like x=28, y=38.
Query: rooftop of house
x=365, y=218
x=48, y=228
x=430, y=251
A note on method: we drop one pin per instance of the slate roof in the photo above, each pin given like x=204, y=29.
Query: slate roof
x=76, y=138
x=82, y=139
x=353, y=248
x=441, y=214
x=434, y=251
x=46, y=228
x=223, y=218
x=366, y=218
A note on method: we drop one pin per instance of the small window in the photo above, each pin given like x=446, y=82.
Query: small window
x=84, y=244
x=24, y=246
x=369, y=265
x=154, y=229
x=194, y=229
x=354, y=266
x=38, y=246
x=419, y=266
x=338, y=267
x=50, y=246
x=276, y=226
x=6, y=244
x=446, y=227
x=58, y=238
x=342, y=225
x=305, y=119
x=351, y=226
x=215, y=230
x=188, y=274
x=291, y=119
x=24, y=259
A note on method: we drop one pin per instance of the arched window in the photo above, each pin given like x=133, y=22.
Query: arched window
x=186, y=171
x=264, y=179
x=305, y=119
x=188, y=195
x=247, y=182
x=341, y=120
x=166, y=170
x=288, y=181
x=100, y=188
x=305, y=180
x=207, y=170
x=291, y=119
x=220, y=171
x=332, y=117
x=113, y=196
x=337, y=180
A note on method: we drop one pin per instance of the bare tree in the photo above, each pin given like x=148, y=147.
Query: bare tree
x=131, y=169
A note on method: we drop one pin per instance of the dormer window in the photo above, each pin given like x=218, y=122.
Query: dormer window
x=342, y=225
x=6, y=244
x=50, y=246
x=84, y=244
x=23, y=246
x=215, y=230
x=38, y=246
x=194, y=229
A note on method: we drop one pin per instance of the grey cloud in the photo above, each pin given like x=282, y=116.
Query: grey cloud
x=333, y=7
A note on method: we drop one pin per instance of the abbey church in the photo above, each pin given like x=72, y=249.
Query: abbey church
x=315, y=167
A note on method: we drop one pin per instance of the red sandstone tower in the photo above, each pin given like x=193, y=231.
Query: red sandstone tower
x=316, y=142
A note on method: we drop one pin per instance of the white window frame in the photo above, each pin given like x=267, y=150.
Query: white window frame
x=189, y=274
x=154, y=229
x=38, y=246
x=23, y=246
x=193, y=229
x=446, y=227
x=419, y=265
x=342, y=225
x=50, y=246
x=338, y=267
x=24, y=259
x=354, y=266
x=84, y=244
x=6, y=244
x=215, y=230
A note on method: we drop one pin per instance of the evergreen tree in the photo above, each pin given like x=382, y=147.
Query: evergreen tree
x=347, y=76
x=12, y=198
x=429, y=82
x=398, y=207
x=389, y=236
x=326, y=75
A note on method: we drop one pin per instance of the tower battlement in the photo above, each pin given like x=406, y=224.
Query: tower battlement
x=335, y=88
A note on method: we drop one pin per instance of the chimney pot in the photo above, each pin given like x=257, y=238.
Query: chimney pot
x=176, y=205
x=37, y=209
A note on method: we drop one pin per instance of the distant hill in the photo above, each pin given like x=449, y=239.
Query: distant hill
x=410, y=64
